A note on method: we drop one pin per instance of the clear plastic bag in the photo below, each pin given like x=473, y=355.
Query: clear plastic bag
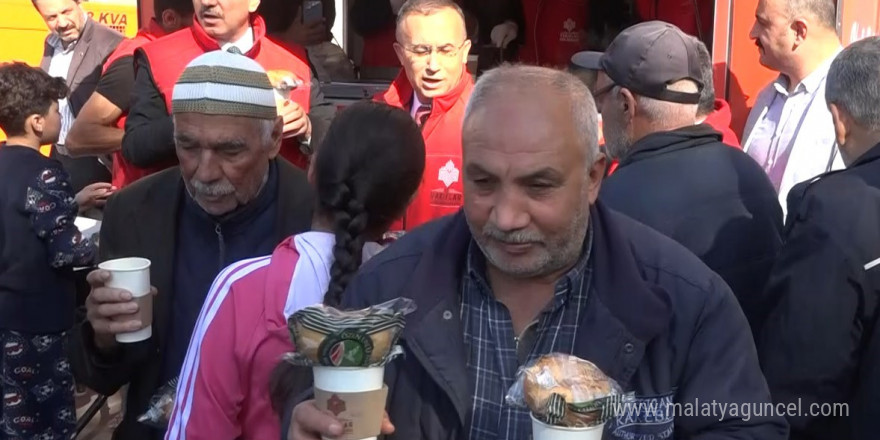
x=326, y=336
x=158, y=414
x=564, y=390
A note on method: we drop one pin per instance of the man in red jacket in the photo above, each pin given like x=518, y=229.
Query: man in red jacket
x=233, y=26
x=434, y=86
x=99, y=128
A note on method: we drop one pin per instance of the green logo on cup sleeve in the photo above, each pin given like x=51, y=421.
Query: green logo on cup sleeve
x=346, y=348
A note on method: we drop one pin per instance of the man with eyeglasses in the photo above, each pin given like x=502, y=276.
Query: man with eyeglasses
x=434, y=86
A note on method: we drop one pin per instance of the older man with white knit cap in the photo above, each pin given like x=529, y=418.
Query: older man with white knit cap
x=229, y=200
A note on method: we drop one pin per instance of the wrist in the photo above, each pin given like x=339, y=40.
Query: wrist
x=305, y=144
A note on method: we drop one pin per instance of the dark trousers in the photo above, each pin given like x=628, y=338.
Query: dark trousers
x=37, y=387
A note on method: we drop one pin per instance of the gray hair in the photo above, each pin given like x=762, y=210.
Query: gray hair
x=500, y=80
x=853, y=82
x=707, y=95
x=427, y=7
x=825, y=11
x=666, y=113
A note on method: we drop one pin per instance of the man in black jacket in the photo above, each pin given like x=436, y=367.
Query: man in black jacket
x=678, y=177
x=534, y=265
x=229, y=200
x=820, y=347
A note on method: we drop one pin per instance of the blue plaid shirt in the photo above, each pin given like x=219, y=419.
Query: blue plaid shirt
x=491, y=344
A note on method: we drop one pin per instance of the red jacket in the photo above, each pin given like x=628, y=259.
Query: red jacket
x=553, y=31
x=169, y=56
x=441, y=190
x=720, y=120
x=124, y=173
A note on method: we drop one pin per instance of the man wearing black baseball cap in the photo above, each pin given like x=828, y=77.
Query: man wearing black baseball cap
x=677, y=176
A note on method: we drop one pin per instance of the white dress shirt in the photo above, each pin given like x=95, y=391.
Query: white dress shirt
x=59, y=66
x=244, y=44
x=791, y=134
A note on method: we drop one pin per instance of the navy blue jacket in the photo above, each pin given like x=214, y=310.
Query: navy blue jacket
x=713, y=199
x=39, y=243
x=657, y=320
x=821, y=343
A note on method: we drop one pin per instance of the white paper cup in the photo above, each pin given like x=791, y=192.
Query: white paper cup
x=543, y=431
x=349, y=381
x=132, y=274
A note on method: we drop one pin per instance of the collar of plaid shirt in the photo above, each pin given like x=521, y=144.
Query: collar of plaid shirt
x=492, y=349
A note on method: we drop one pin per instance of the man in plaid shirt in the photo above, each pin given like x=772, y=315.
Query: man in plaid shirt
x=533, y=265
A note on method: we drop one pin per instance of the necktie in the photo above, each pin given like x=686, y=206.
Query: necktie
x=422, y=114
x=233, y=49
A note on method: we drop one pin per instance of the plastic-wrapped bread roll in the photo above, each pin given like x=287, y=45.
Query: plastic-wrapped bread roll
x=325, y=336
x=565, y=390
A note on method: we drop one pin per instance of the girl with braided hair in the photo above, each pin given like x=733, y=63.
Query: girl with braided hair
x=365, y=174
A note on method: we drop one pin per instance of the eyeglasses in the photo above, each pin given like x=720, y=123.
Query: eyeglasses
x=425, y=50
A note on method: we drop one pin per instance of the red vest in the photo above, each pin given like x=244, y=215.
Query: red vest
x=553, y=31
x=441, y=191
x=124, y=173
x=169, y=56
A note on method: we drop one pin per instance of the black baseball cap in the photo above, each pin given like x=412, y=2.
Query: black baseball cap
x=586, y=60
x=646, y=58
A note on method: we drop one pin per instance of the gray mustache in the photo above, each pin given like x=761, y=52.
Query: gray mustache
x=511, y=237
x=222, y=188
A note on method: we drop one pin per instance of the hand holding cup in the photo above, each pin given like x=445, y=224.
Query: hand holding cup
x=119, y=306
x=310, y=423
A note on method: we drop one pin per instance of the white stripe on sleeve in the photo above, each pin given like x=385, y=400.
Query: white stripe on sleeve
x=218, y=293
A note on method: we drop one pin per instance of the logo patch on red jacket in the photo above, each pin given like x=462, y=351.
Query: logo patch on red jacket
x=448, y=174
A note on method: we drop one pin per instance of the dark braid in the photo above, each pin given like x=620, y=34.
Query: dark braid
x=365, y=173
x=349, y=224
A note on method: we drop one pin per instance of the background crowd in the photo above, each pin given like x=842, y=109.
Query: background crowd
x=591, y=198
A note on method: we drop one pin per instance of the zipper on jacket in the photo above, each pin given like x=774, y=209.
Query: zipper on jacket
x=221, y=254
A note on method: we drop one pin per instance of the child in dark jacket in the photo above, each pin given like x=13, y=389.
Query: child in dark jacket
x=39, y=247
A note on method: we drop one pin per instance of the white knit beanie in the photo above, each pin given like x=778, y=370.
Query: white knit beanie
x=223, y=83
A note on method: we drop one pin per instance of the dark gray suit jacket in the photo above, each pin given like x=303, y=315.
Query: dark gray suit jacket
x=95, y=44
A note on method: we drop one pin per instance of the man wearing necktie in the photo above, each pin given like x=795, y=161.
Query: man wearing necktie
x=232, y=26
x=434, y=85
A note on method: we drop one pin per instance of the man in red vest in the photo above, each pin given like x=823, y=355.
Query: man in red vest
x=434, y=85
x=233, y=26
x=99, y=128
